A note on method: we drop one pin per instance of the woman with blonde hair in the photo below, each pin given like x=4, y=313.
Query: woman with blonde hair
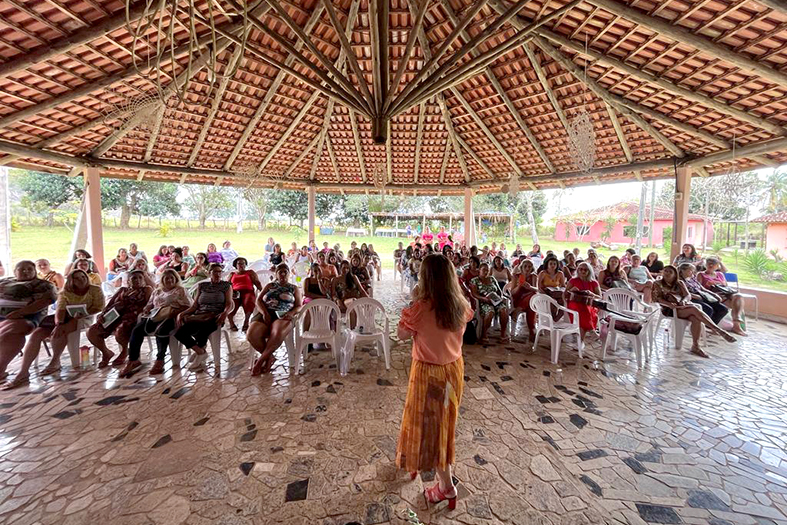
x=436, y=322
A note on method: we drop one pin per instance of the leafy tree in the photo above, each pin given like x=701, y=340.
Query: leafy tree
x=260, y=200
x=205, y=201
x=154, y=199
x=45, y=192
x=776, y=191
x=327, y=204
x=293, y=204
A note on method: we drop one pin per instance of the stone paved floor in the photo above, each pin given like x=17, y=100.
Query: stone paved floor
x=685, y=440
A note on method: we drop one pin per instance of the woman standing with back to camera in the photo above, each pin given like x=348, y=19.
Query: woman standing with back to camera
x=435, y=321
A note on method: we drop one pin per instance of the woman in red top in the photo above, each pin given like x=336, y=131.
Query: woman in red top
x=523, y=288
x=243, y=284
x=580, y=291
x=436, y=322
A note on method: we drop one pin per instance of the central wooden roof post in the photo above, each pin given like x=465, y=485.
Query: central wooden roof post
x=681, y=217
x=311, y=192
x=380, y=130
x=469, y=223
x=95, y=230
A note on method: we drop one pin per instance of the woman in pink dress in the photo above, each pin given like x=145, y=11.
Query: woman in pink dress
x=427, y=237
x=442, y=238
x=580, y=292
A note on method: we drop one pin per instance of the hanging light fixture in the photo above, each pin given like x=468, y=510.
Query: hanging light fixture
x=581, y=135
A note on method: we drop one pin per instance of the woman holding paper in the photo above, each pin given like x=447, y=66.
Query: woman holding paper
x=487, y=292
x=24, y=299
x=120, y=316
x=77, y=300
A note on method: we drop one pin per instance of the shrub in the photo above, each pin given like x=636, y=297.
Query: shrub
x=667, y=237
x=758, y=263
x=717, y=247
x=15, y=226
x=164, y=230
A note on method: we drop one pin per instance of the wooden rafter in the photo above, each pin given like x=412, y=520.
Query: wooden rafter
x=332, y=156
x=292, y=127
x=302, y=155
x=490, y=74
x=272, y=90
x=343, y=34
x=419, y=135
x=357, y=141
x=542, y=78
x=408, y=50
x=452, y=136
x=699, y=42
x=619, y=132
x=218, y=96
x=475, y=156
x=321, y=136
x=154, y=133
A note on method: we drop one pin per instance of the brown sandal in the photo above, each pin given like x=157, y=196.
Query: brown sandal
x=18, y=381
x=105, y=360
x=158, y=368
x=699, y=352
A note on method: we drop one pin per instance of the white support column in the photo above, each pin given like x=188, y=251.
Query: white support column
x=469, y=222
x=5, y=223
x=239, y=211
x=643, y=201
x=681, y=217
x=95, y=230
x=312, y=193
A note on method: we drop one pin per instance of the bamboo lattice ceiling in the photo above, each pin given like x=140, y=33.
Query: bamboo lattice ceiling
x=466, y=93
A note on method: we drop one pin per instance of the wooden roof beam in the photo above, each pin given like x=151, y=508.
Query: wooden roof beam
x=503, y=95
x=270, y=93
x=332, y=156
x=619, y=132
x=154, y=133
x=452, y=136
x=491, y=136
x=475, y=156
x=302, y=155
x=661, y=82
x=344, y=35
x=547, y=89
x=420, y=11
x=217, y=98
x=292, y=127
x=321, y=139
x=419, y=135
x=66, y=44
x=702, y=43
x=357, y=141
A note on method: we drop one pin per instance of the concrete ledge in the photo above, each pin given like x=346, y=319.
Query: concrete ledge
x=772, y=304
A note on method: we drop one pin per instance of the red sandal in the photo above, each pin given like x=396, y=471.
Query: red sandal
x=435, y=495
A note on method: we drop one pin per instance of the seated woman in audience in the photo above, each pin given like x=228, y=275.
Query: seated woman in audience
x=208, y=312
x=89, y=268
x=303, y=255
x=175, y=263
x=713, y=279
x=414, y=265
x=671, y=293
x=162, y=256
x=140, y=265
x=361, y=272
x=120, y=316
x=499, y=272
x=653, y=264
x=276, y=257
x=214, y=256
x=517, y=251
x=640, y=278
x=551, y=280
x=502, y=252
x=228, y=253
x=293, y=251
x=710, y=302
x=244, y=282
x=277, y=305
x=79, y=254
x=46, y=273
x=333, y=260
x=315, y=286
x=613, y=275
x=346, y=287
x=121, y=263
x=570, y=267
x=595, y=263
x=536, y=251
x=186, y=256
x=374, y=258
x=688, y=254
x=24, y=300
x=158, y=319
x=269, y=246
x=580, y=292
x=625, y=260
x=57, y=327
x=490, y=300
x=135, y=253
x=577, y=258
x=197, y=273
x=328, y=270
x=523, y=288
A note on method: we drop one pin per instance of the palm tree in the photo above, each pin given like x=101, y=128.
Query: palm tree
x=776, y=189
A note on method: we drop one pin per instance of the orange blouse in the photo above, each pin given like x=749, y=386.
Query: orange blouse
x=432, y=344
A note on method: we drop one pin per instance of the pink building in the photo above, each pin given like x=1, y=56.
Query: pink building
x=776, y=231
x=621, y=220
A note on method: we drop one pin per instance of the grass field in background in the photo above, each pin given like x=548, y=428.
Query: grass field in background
x=53, y=243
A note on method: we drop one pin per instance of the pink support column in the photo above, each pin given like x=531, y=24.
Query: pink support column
x=681, y=217
x=95, y=230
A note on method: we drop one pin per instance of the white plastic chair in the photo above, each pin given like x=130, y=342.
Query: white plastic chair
x=676, y=329
x=628, y=301
x=542, y=305
x=370, y=316
x=300, y=271
x=260, y=264
x=72, y=343
x=175, y=349
x=320, y=312
x=639, y=340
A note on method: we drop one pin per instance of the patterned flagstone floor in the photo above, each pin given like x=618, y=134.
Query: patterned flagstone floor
x=684, y=440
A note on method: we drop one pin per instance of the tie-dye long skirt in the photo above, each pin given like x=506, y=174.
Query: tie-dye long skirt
x=426, y=439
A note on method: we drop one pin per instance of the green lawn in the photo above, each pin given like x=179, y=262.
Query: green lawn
x=54, y=243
